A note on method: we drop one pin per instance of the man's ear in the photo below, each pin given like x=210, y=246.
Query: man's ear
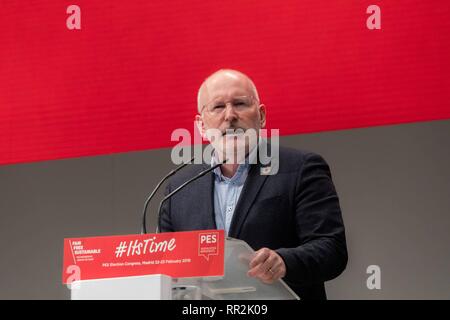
x=262, y=116
x=200, y=125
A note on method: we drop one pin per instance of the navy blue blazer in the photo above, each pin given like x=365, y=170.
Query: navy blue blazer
x=295, y=212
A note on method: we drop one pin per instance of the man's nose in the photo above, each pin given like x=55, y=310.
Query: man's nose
x=230, y=113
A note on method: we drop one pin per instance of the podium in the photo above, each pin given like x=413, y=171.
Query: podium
x=234, y=285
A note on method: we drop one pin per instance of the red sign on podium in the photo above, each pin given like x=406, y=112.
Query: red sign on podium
x=176, y=254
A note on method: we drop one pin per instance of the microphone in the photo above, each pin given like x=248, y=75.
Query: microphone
x=199, y=175
x=144, y=212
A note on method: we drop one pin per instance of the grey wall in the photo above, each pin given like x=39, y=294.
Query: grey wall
x=393, y=182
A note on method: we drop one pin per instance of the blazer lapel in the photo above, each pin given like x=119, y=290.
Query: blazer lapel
x=248, y=195
x=206, y=203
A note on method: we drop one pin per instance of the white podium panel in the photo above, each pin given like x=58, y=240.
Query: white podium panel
x=150, y=287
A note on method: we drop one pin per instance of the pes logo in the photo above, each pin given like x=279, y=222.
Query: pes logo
x=208, y=244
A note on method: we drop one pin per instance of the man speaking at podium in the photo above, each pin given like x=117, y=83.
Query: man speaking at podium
x=292, y=218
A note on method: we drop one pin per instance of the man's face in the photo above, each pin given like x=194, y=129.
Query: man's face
x=228, y=103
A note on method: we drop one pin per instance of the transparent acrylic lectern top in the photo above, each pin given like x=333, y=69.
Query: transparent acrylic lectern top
x=235, y=285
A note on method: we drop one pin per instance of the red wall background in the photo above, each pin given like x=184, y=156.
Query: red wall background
x=130, y=76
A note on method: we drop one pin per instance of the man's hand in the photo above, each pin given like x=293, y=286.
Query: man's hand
x=267, y=265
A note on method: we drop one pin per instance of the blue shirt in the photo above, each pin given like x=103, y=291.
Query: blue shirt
x=227, y=192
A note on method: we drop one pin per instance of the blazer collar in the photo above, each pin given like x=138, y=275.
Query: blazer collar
x=253, y=184
x=247, y=197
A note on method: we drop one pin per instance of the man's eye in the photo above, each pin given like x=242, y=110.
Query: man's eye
x=218, y=106
x=239, y=103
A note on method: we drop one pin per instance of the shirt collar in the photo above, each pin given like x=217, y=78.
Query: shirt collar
x=242, y=170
